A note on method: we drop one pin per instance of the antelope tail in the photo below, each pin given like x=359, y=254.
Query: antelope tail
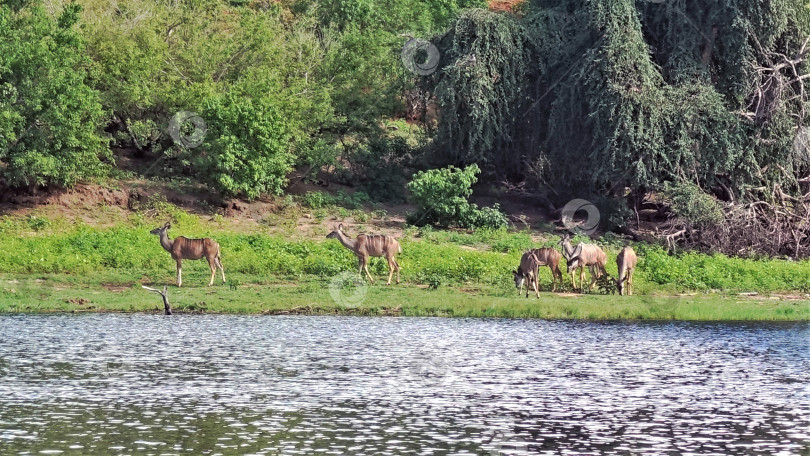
x=399, y=247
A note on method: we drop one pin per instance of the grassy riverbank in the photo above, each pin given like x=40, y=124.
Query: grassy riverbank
x=55, y=264
x=120, y=293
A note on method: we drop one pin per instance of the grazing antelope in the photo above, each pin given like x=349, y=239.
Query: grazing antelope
x=589, y=255
x=551, y=258
x=183, y=248
x=626, y=262
x=374, y=245
x=527, y=272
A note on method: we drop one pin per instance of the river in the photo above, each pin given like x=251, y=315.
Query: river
x=289, y=385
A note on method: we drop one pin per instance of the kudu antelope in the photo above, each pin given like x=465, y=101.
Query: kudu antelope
x=182, y=248
x=626, y=262
x=375, y=245
x=527, y=273
x=583, y=255
x=551, y=258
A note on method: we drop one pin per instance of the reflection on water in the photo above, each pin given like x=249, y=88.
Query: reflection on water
x=144, y=384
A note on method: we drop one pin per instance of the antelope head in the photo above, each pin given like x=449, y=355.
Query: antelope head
x=518, y=276
x=565, y=243
x=163, y=229
x=334, y=234
x=620, y=284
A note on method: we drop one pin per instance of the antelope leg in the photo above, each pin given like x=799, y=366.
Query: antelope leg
x=365, y=266
x=221, y=269
x=630, y=282
x=390, y=271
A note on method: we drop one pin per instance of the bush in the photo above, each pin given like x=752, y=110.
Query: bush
x=379, y=168
x=441, y=195
x=50, y=117
x=693, y=205
x=247, y=147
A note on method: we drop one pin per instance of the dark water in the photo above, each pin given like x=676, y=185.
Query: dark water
x=143, y=384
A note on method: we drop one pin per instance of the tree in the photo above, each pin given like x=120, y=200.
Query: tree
x=50, y=116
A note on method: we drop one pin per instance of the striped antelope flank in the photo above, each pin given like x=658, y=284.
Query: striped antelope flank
x=370, y=245
x=527, y=273
x=182, y=248
x=626, y=262
x=551, y=258
x=589, y=255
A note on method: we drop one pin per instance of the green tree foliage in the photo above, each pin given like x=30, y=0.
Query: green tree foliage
x=484, y=89
x=325, y=75
x=246, y=152
x=441, y=196
x=614, y=93
x=692, y=205
x=50, y=116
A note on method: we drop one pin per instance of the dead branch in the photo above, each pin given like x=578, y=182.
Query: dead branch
x=165, y=295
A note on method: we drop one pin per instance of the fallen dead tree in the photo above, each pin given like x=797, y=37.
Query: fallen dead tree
x=776, y=228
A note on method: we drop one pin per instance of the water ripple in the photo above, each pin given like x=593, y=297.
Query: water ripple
x=144, y=384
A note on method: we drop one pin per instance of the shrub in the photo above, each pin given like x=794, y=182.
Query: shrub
x=247, y=146
x=693, y=205
x=50, y=117
x=441, y=195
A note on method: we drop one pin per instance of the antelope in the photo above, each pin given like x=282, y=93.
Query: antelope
x=527, y=272
x=182, y=248
x=589, y=255
x=375, y=245
x=626, y=262
x=551, y=258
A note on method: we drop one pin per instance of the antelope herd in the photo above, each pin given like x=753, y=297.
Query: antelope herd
x=365, y=246
x=579, y=257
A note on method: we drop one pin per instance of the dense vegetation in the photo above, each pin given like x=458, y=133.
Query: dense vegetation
x=610, y=100
x=40, y=245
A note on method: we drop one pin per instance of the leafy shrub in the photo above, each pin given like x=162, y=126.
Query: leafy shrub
x=316, y=200
x=693, y=205
x=379, y=168
x=247, y=146
x=50, y=116
x=441, y=195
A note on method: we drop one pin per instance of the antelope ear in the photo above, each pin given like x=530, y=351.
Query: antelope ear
x=340, y=227
x=167, y=225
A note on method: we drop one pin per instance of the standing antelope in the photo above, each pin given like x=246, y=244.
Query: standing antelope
x=527, y=272
x=183, y=248
x=589, y=255
x=375, y=245
x=551, y=258
x=626, y=262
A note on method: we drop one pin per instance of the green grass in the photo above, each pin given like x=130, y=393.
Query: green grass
x=117, y=292
x=59, y=265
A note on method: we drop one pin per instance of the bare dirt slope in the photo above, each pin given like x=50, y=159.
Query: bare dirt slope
x=113, y=202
